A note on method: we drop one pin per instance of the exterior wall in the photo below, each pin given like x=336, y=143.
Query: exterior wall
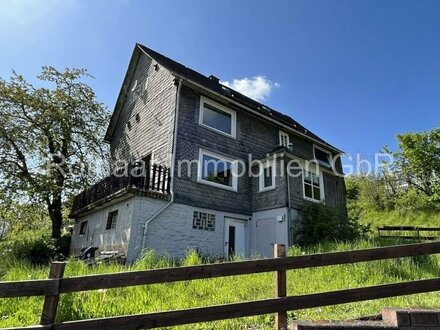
x=270, y=199
x=280, y=230
x=172, y=233
x=154, y=131
x=254, y=136
x=144, y=208
x=116, y=239
x=334, y=191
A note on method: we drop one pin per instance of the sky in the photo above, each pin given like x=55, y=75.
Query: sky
x=355, y=72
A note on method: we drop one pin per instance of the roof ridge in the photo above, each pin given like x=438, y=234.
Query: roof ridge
x=217, y=87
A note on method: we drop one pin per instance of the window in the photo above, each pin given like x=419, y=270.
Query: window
x=323, y=157
x=267, y=178
x=217, y=170
x=284, y=139
x=312, y=186
x=203, y=221
x=82, y=228
x=111, y=220
x=217, y=117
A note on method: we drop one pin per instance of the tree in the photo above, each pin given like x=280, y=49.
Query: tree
x=418, y=161
x=50, y=139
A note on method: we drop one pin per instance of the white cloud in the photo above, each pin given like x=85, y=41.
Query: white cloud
x=258, y=88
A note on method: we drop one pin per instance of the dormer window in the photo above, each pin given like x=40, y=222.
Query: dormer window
x=284, y=139
x=323, y=157
x=217, y=117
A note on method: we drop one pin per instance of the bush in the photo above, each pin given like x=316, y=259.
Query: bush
x=37, y=247
x=317, y=223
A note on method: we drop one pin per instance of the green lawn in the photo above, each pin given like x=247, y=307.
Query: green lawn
x=25, y=311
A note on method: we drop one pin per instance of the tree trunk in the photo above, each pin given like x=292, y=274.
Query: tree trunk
x=56, y=216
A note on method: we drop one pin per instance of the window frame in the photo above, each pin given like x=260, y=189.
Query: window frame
x=221, y=108
x=234, y=165
x=82, y=227
x=282, y=134
x=261, y=187
x=320, y=162
x=114, y=219
x=321, y=186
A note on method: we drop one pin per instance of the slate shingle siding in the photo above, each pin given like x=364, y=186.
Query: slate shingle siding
x=270, y=199
x=254, y=136
x=153, y=132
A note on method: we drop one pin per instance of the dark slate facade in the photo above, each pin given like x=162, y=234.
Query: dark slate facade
x=144, y=125
x=253, y=136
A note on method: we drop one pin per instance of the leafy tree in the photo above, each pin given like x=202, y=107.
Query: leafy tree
x=418, y=161
x=49, y=136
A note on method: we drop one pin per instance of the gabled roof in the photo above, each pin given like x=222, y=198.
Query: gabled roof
x=216, y=87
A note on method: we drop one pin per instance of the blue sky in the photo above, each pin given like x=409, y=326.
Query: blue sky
x=355, y=72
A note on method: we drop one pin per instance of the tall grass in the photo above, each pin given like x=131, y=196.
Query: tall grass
x=144, y=299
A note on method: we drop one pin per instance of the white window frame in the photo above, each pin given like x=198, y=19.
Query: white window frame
x=330, y=158
x=234, y=169
x=321, y=186
x=203, y=101
x=261, y=187
x=283, y=135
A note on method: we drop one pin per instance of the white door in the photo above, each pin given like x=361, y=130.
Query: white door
x=234, y=237
x=266, y=236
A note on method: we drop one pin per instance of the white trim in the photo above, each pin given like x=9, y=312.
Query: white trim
x=261, y=187
x=234, y=165
x=327, y=152
x=321, y=187
x=221, y=108
x=283, y=135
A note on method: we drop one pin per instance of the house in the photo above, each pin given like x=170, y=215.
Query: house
x=208, y=169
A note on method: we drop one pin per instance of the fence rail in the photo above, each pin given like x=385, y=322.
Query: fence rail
x=56, y=285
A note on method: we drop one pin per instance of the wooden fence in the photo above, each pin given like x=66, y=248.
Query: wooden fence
x=56, y=285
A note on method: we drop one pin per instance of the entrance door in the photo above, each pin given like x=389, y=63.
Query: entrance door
x=234, y=237
x=266, y=237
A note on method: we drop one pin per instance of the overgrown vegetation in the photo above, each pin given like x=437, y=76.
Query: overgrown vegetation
x=198, y=293
x=319, y=223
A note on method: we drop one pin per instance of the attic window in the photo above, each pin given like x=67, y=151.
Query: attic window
x=138, y=118
x=129, y=125
x=284, y=139
x=134, y=86
x=323, y=157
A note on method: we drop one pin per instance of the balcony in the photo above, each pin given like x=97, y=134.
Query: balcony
x=154, y=181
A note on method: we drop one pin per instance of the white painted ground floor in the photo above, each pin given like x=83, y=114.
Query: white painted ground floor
x=135, y=223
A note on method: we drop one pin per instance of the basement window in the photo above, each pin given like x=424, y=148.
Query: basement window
x=204, y=221
x=112, y=218
x=82, y=228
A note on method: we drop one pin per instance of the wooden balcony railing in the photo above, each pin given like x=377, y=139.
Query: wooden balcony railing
x=155, y=178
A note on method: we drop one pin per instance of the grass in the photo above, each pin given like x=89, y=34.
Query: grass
x=410, y=218
x=143, y=299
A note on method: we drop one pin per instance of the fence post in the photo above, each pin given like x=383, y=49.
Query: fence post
x=51, y=302
x=280, y=287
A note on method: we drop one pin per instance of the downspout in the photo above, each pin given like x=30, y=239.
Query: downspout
x=289, y=222
x=173, y=160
